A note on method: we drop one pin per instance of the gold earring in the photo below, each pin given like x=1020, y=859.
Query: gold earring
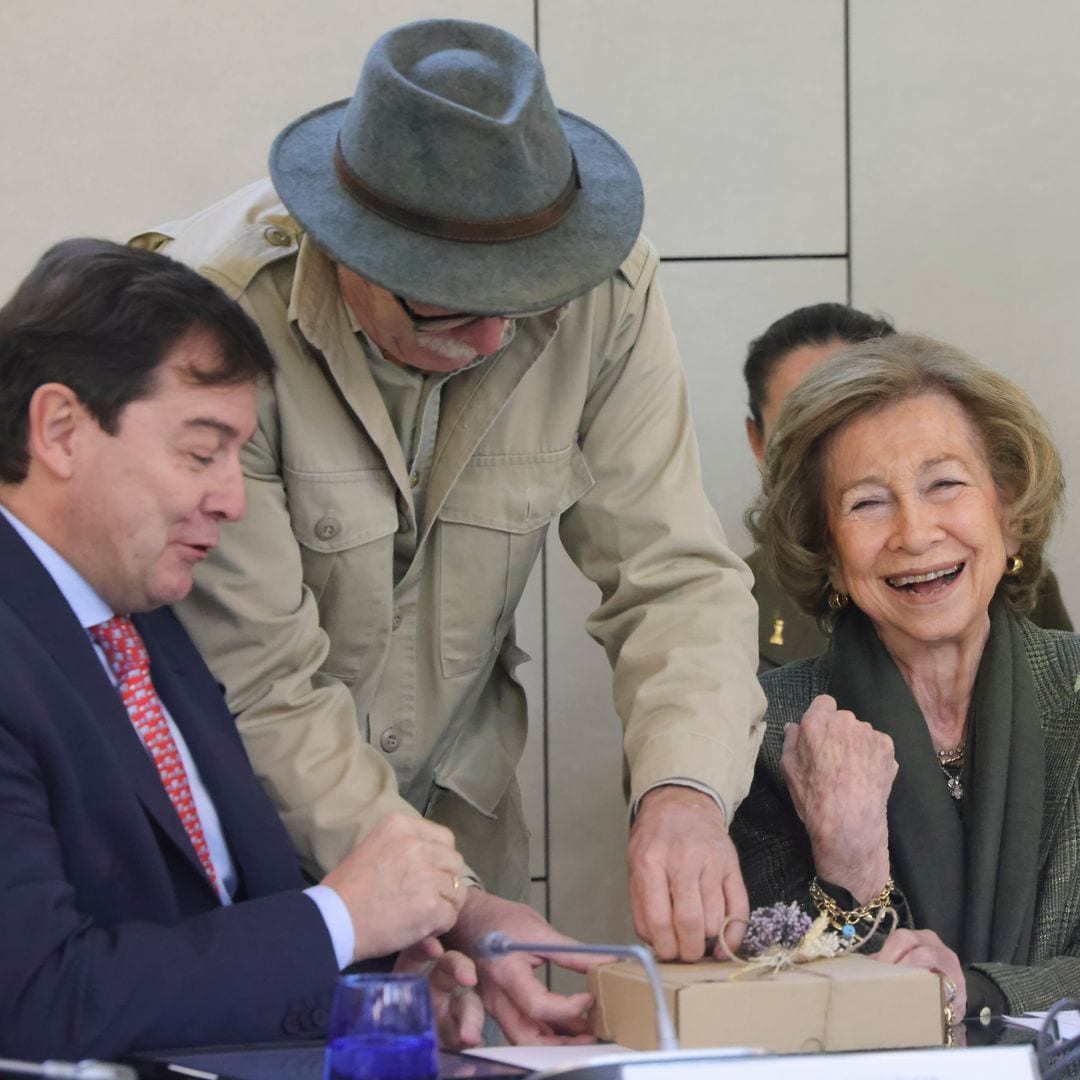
x=1013, y=565
x=838, y=600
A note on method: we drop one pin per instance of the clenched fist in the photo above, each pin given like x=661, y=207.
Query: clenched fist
x=840, y=771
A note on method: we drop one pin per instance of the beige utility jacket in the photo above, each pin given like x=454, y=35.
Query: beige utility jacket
x=348, y=689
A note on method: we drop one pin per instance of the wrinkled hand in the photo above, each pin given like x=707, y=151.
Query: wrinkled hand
x=684, y=874
x=840, y=771
x=401, y=883
x=523, y=1007
x=459, y=1012
x=924, y=949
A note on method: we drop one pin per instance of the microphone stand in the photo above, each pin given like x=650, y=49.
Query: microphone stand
x=497, y=944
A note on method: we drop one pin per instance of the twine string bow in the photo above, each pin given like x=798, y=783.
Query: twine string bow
x=819, y=942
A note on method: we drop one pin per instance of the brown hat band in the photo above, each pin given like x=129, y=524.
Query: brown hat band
x=477, y=232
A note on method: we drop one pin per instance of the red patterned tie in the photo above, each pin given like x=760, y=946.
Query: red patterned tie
x=126, y=653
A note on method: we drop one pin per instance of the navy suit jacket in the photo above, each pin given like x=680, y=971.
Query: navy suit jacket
x=111, y=938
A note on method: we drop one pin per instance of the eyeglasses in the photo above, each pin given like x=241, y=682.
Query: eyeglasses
x=431, y=324
x=436, y=324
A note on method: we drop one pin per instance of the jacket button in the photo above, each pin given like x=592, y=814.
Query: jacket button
x=389, y=740
x=395, y=622
x=276, y=237
x=414, y=479
x=328, y=527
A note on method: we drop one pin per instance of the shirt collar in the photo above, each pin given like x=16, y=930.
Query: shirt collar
x=314, y=286
x=88, y=606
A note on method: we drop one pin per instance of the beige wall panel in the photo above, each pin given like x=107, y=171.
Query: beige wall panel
x=117, y=115
x=530, y=637
x=538, y=897
x=587, y=884
x=716, y=309
x=733, y=111
x=965, y=172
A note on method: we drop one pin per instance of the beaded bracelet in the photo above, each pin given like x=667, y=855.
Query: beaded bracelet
x=845, y=921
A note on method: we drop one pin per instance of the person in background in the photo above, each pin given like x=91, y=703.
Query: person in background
x=776, y=363
x=471, y=343
x=149, y=895
x=929, y=759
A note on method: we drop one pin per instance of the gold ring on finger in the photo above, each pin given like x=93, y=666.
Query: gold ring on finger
x=455, y=888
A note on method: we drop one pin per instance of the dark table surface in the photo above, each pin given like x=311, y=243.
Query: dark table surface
x=304, y=1061
x=286, y=1061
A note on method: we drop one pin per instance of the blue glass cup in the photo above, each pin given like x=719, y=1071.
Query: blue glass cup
x=381, y=1028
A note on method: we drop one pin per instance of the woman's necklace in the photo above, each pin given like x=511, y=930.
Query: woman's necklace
x=952, y=764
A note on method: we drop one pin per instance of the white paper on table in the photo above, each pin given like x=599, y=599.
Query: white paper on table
x=540, y=1059
x=535, y=1058
x=971, y=1063
x=1068, y=1022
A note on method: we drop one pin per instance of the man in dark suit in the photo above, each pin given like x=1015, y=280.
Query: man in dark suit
x=148, y=892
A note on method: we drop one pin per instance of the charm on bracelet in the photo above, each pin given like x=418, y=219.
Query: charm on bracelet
x=845, y=921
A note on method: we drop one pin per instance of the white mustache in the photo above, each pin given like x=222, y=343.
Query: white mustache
x=447, y=347
x=452, y=349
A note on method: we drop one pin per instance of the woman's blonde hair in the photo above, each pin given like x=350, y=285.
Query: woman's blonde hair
x=789, y=520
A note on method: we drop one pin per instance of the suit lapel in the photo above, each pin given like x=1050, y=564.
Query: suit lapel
x=1059, y=707
x=198, y=709
x=36, y=600
x=170, y=686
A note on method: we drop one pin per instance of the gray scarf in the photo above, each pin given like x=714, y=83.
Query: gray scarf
x=972, y=880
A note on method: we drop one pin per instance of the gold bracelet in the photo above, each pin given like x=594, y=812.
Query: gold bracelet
x=838, y=917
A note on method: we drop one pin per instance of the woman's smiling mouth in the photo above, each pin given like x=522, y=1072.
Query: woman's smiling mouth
x=924, y=584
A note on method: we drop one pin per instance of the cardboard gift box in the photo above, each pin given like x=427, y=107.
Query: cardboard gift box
x=845, y=1003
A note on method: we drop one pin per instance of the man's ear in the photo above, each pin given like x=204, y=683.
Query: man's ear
x=756, y=440
x=56, y=417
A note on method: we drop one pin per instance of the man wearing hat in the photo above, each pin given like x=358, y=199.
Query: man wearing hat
x=470, y=345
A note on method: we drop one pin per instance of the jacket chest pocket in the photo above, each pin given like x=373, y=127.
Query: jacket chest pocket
x=491, y=528
x=345, y=525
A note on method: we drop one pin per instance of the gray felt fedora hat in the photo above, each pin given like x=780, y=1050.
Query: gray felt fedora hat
x=450, y=177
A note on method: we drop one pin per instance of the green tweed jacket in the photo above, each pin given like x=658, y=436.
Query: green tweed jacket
x=775, y=852
x=786, y=633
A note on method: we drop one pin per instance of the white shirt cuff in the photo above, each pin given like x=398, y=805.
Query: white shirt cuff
x=339, y=924
x=682, y=781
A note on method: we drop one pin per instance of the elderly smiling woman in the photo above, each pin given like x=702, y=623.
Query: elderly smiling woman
x=929, y=758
